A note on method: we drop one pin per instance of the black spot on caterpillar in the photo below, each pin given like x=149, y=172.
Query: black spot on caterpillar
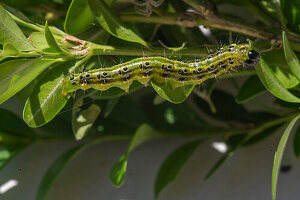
x=162, y=69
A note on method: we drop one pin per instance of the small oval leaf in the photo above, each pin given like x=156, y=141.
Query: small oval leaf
x=47, y=98
x=177, y=95
x=79, y=17
x=112, y=24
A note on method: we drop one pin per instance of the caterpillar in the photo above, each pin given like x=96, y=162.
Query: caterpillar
x=161, y=69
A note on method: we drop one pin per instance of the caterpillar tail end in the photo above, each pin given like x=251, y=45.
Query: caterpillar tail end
x=67, y=87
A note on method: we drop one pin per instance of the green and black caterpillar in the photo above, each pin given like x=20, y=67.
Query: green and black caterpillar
x=161, y=69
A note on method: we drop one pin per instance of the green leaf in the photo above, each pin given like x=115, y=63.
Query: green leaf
x=8, y=154
x=12, y=124
x=38, y=40
x=290, y=9
x=143, y=134
x=23, y=3
x=83, y=120
x=112, y=24
x=8, y=139
x=110, y=106
x=52, y=42
x=115, y=92
x=290, y=56
x=10, y=50
x=172, y=165
x=11, y=33
x=79, y=17
x=16, y=74
x=250, y=89
x=54, y=170
x=272, y=83
x=297, y=143
x=264, y=130
x=166, y=91
x=220, y=162
x=47, y=98
x=278, y=66
x=279, y=154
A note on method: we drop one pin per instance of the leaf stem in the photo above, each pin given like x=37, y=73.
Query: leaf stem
x=98, y=49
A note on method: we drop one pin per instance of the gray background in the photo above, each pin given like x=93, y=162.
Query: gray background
x=247, y=175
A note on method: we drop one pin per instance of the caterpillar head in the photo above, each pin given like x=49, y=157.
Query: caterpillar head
x=252, y=59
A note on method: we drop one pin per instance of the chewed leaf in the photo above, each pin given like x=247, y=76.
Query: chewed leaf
x=83, y=120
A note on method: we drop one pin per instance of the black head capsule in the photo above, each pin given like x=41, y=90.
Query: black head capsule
x=104, y=73
x=87, y=75
x=125, y=69
x=80, y=77
x=253, y=58
x=147, y=63
x=141, y=66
